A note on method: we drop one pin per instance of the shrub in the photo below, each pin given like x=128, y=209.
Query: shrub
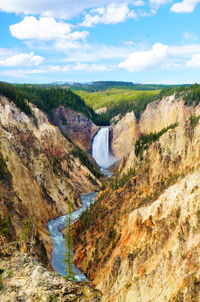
x=5, y=227
x=1, y=281
x=118, y=182
x=194, y=120
x=146, y=140
x=5, y=175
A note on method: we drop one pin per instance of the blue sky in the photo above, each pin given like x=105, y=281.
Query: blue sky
x=155, y=41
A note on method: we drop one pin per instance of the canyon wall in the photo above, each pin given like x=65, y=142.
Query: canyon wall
x=142, y=241
x=157, y=115
x=40, y=173
x=76, y=126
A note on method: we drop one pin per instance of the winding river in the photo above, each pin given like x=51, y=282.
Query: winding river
x=101, y=154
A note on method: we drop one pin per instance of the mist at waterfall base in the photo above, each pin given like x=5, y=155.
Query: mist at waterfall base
x=101, y=150
x=59, y=241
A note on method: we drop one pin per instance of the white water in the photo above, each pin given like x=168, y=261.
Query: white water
x=101, y=154
x=59, y=251
x=100, y=149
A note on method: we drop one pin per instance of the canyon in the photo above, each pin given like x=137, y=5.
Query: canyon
x=45, y=170
x=140, y=240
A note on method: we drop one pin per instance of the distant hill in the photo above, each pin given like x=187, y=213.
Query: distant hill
x=106, y=85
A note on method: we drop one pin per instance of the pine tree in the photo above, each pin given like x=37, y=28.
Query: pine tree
x=70, y=275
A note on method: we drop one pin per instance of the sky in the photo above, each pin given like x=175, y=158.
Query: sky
x=154, y=41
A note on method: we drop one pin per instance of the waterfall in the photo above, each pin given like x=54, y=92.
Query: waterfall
x=100, y=148
x=100, y=152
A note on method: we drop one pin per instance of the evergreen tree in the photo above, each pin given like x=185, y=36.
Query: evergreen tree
x=70, y=275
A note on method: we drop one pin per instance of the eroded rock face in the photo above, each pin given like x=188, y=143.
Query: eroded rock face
x=161, y=114
x=26, y=280
x=46, y=174
x=143, y=242
x=75, y=125
x=158, y=253
x=124, y=135
x=157, y=115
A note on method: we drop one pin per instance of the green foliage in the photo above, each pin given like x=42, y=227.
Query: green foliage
x=194, y=120
x=112, y=234
x=5, y=175
x=52, y=298
x=177, y=90
x=107, y=85
x=146, y=140
x=5, y=227
x=77, y=152
x=89, y=217
x=17, y=96
x=119, y=101
x=190, y=93
x=50, y=98
x=1, y=279
x=27, y=230
x=92, y=180
x=118, y=182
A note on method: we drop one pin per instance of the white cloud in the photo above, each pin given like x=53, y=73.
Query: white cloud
x=184, y=50
x=155, y=4
x=90, y=67
x=42, y=29
x=143, y=59
x=77, y=35
x=58, y=9
x=84, y=52
x=21, y=59
x=55, y=69
x=138, y=3
x=194, y=62
x=186, y=6
x=110, y=14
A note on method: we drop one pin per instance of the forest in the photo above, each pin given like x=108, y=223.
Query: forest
x=117, y=101
x=47, y=99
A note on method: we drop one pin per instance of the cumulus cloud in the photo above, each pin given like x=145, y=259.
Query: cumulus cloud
x=194, y=62
x=21, y=59
x=42, y=29
x=110, y=14
x=141, y=60
x=186, y=6
x=184, y=50
x=58, y=9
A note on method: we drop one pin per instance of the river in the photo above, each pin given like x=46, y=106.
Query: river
x=101, y=154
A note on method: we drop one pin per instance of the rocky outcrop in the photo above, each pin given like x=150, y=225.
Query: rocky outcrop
x=101, y=110
x=76, y=126
x=142, y=241
x=124, y=135
x=157, y=115
x=43, y=172
x=26, y=280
